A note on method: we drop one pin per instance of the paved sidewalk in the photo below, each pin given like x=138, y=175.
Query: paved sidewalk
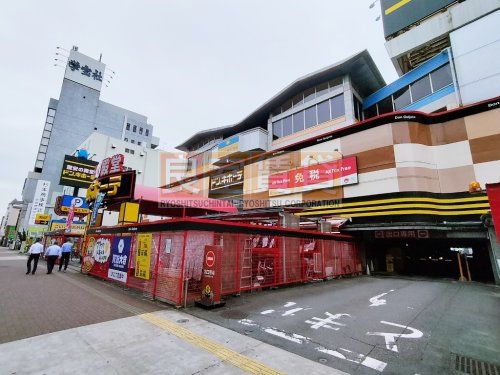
x=83, y=325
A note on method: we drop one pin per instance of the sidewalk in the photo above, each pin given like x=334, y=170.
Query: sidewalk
x=83, y=325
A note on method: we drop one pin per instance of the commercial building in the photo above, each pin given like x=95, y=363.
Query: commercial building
x=9, y=222
x=72, y=118
x=395, y=160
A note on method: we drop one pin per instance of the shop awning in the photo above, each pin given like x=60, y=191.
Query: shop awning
x=156, y=201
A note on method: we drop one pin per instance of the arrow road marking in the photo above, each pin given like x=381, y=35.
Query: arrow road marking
x=376, y=301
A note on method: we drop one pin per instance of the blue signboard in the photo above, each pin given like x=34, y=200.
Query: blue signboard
x=68, y=200
x=120, y=254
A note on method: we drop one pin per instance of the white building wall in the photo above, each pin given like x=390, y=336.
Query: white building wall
x=476, y=52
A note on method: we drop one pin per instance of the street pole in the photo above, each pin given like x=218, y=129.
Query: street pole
x=468, y=270
x=462, y=277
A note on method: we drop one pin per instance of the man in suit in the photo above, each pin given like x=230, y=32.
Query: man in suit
x=65, y=254
x=34, y=253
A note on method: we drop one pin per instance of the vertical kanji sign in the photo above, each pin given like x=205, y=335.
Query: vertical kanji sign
x=143, y=256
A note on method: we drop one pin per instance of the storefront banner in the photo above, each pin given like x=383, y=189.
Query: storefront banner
x=143, y=256
x=228, y=147
x=95, y=209
x=227, y=179
x=39, y=200
x=77, y=172
x=77, y=227
x=102, y=249
x=319, y=176
x=120, y=254
x=42, y=219
x=493, y=191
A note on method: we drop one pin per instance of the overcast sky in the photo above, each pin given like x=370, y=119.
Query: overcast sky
x=186, y=65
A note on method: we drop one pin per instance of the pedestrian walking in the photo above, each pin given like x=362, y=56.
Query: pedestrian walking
x=34, y=254
x=66, y=249
x=52, y=253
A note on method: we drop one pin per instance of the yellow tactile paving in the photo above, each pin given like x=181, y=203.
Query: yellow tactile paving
x=227, y=355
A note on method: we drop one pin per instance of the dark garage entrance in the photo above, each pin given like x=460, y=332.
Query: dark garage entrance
x=429, y=257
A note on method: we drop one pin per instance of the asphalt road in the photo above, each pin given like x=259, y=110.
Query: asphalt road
x=417, y=327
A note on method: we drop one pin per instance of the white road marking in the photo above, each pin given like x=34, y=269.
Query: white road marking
x=390, y=338
x=318, y=323
x=247, y=322
x=298, y=339
x=265, y=312
x=289, y=304
x=364, y=360
x=292, y=311
x=376, y=301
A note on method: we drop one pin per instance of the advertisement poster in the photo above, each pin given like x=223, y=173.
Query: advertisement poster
x=102, y=249
x=143, y=256
x=120, y=254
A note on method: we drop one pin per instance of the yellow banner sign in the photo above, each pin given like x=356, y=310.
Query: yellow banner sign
x=42, y=219
x=143, y=256
x=75, y=228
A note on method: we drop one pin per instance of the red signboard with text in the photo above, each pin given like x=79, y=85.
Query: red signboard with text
x=319, y=176
x=211, y=280
x=493, y=191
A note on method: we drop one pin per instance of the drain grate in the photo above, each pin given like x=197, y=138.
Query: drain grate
x=473, y=366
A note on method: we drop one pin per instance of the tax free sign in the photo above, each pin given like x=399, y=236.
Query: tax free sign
x=120, y=254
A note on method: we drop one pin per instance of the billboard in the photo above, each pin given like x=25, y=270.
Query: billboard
x=227, y=179
x=398, y=14
x=65, y=202
x=39, y=200
x=84, y=70
x=313, y=177
x=77, y=172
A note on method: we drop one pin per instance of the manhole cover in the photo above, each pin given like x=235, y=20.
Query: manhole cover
x=182, y=320
x=467, y=365
x=233, y=314
x=322, y=360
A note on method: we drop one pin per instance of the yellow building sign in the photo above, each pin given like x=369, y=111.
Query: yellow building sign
x=143, y=256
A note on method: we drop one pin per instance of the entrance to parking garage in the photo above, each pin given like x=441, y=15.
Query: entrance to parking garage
x=422, y=253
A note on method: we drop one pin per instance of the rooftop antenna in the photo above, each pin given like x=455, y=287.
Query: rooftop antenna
x=100, y=57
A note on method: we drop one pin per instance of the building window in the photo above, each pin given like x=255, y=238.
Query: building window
x=287, y=105
x=139, y=143
x=310, y=117
x=358, y=109
x=421, y=88
x=134, y=129
x=385, y=106
x=402, y=98
x=321, y=89
x=323, y=112
x=52, y=112
x=287, y=126
x=132, y=151
x=48, y=127
x=132, y=141
x=309, y=94
x=125, y=139
x=277, y=129
x=128, y=126
x=44, y=141
x=371, y=111
x=298, y=100
x=441, y=77
x=298, y=121
x=141, y=130
x=147, y=132
x=50, y=120
x=336, y=83
x=337, y=106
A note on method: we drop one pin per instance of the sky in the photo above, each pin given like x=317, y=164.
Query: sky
x=187, y=65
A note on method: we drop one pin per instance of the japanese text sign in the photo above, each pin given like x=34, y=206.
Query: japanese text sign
x=227, y=179
x=85, y=70
x=111, y=165
x=318, y=176
x=120, y=254
x=77, y=172
x=143, y=256
x=39, y=200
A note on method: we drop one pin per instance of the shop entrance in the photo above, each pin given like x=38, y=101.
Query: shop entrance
x=431, y=258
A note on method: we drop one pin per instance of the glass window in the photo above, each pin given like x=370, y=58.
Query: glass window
x=287, y=105
x=298, y=121
x=50, y=119
x=134, y=129
x=298, y=99
x=128, y=126
x=276, y=112
x=337, y=105
x=141, y=130
x=39, y=164
x=46, y=134
x=385, y=106
x=441, y=77
x=323, y=112
x=44, y=141
x=336, y=83
x=126, y=139
x=277, y=129
x=421, y=88
x=310, y=116
x=402, y=98
x=132, y=151
x=52, y=112
x=41, y=156
x=321, y=89
x=358, y=112
x=287, y=126
x=309, y=94
x=147, y=132
x=132, y=141
x=43, y=149
x=370, y=112
x=139, y=143
x=48, y=126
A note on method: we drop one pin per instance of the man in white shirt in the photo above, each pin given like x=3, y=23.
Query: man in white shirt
x=34, y=253
x=52, y=253
x=65, y=254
